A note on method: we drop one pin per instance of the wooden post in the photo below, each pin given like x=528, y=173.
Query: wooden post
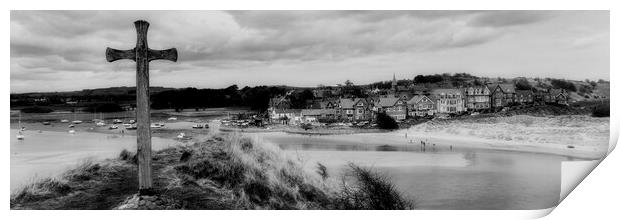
x=141, y=54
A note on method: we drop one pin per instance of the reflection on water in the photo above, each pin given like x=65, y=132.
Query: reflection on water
x=49, y=153
x=444, y=178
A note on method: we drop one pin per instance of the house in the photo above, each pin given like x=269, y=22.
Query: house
x=524, y=96
x=280, y=102
x=448, y=101
x=477, y=98
x=502, y=94
x=285, y=116
x=355, y=109
x=420, y=105
x=395, y=107
x=316, y=115
x=557, y=96
x=329, y=104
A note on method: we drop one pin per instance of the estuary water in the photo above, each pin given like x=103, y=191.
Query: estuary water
x=442, y=178
x=49, y=153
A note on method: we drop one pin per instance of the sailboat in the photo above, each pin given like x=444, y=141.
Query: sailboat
x=20, y=135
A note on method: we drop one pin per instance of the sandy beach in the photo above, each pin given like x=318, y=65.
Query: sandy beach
x=580, y=137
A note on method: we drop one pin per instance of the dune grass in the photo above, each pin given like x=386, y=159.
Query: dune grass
x=228, y=171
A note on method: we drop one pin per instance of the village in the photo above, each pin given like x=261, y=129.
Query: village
x=335, y=105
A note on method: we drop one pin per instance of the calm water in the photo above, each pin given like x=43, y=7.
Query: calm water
x=49, y=153
x=435, y=179
x=444, y=179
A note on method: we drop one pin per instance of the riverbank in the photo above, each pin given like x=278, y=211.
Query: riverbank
x=225, y=172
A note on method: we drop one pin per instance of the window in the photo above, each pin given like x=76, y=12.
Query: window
x=360, y=111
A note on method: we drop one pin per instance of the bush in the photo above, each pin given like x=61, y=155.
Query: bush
x=601, y=110
x=384, y=121
x=36, y=109
x=563, y=84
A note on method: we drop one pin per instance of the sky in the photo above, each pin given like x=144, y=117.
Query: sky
x=65, y=50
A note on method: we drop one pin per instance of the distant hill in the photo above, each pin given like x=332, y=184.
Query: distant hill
x=123, y=90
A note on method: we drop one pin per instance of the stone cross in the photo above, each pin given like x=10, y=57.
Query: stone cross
x=142, y=55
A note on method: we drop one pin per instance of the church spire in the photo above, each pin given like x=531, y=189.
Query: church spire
x=394, y=83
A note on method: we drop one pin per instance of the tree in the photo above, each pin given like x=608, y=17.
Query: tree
x=384, y=121
x=104, y=107
x=523, y=84
x=563, y=84
x=348, y=83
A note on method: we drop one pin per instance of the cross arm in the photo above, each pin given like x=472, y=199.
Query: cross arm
x=169, y=54
x=113, y=54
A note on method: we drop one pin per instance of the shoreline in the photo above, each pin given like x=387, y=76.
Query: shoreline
x=397, y=139
x=376, y=137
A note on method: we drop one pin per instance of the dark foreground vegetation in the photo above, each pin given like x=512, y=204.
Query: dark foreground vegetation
x=601, y=110
x=225, y=172
x=36, y=109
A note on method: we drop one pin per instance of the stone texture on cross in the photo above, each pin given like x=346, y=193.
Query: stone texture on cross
x=142, y=55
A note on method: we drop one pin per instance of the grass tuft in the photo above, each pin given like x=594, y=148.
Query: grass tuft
x=371, y=190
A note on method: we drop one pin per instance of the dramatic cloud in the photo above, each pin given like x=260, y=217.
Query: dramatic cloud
x=64, y=50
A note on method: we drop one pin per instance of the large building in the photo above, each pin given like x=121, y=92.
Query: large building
x=392, y=106
x=502, y=94
x=448, y=101
x=355, y=109
x=420, y=105
x=478, y=98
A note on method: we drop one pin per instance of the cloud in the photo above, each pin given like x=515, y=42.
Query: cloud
x=509, y=18
x=72, y=43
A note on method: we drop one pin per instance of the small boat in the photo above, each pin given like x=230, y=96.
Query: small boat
x=172, y=119
x=71, y=131
x=77, y=122
x=113, y=127
x=71, y=125
x=197, y=126
x=46, y=123
x=64, y=121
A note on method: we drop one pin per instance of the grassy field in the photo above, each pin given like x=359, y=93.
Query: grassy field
x=228, y=171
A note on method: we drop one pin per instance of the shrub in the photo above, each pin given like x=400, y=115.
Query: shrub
x=384, y=121
x=601, y=110
x=185, y=156
x=563, y=84
x=36, y=109
x=128, y=156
